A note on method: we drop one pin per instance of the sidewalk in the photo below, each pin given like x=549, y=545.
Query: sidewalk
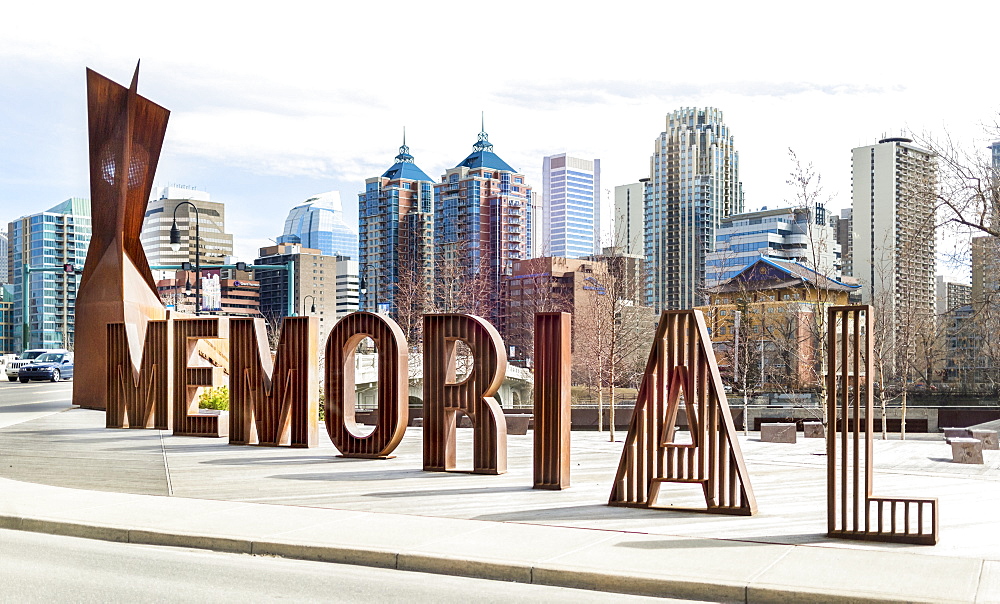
x=146, y=487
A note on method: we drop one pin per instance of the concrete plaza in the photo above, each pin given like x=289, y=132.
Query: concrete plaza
x=62, y=471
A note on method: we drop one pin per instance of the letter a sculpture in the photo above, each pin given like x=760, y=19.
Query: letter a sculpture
x=126, y=133
x=682, y=364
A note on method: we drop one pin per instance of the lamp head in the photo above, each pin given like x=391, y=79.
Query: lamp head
x=175, y=237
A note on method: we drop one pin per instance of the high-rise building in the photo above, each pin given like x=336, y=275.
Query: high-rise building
x=694, y=184
x=318, y=223
x=479, y=219
x=803, y=235
x=893, y=184
x=47, y=240
x=4, y=244
x=216, y=244
x=396, y=220
x=843, y=226
x=629, y=203
x=985, y=270
x=328, y=284
x=571, y=206
x=533, y=220
x=949, y=295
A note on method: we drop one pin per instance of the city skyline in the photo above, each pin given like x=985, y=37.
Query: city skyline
x=264, y=125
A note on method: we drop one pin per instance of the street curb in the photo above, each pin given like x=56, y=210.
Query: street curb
x=497, y=570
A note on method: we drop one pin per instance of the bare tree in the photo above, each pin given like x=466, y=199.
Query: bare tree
x=615, y=330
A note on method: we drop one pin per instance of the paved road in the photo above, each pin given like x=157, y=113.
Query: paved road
x=44, y=568
x=23, y=402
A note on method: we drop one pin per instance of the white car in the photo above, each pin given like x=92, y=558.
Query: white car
x=26, y=357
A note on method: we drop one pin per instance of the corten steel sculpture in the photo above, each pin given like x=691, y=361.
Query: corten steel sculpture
x=444, y=397
x=849, y=498
x=191, y=371
x=139, y=397
x=682, y=364
x=126, y=133
x=273, y=402
x=393, y=385
x=553, y=365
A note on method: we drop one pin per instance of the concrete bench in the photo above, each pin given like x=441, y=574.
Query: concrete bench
x=777, y=433
x=950, y=433
x=987, y=437
x=517, y=423
x=417, y=422
x=813, y=430
x=966, y=450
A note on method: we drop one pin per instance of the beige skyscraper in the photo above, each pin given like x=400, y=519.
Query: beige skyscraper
x=216, y=243
x=893, y=185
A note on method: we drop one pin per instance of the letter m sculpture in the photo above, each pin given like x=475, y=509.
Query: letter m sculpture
x=682, y=366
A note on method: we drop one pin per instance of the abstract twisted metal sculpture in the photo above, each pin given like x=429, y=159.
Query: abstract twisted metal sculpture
x=393, y=385
x=682, y=364
x=849, y=397
x=553, y=365
x=126, y=133
x=444, y=397
x=275, y=402
x=139, y=397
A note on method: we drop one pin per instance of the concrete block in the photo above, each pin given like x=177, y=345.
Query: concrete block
x=950, y=433
x=967, y=450
x=777, y=433
x=987, y=437
x=517, y=423
x=813, y=430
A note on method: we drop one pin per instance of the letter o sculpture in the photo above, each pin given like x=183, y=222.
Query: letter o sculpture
x=393, y=385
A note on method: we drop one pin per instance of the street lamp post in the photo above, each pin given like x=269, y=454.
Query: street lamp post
x=312, y=309
x=175, y=245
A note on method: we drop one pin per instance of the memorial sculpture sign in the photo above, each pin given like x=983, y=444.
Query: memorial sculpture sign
x=143, y=366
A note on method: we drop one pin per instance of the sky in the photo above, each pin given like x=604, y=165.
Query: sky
x=273, y=103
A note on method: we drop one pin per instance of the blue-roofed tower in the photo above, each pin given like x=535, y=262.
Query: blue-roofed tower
x=480, y=217
x=396, y=222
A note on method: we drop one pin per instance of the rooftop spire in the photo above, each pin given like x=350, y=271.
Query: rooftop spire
x=404, y=151
x=483, y=144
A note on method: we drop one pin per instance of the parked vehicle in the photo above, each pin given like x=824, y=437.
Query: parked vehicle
x=51, y=366
x=26, y=357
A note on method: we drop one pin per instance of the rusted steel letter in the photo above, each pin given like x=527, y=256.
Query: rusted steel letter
x=188, y=377
x=393, y=385
x=273, y=402
x=552, y=397
x=444, y=397
x=139, y=397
